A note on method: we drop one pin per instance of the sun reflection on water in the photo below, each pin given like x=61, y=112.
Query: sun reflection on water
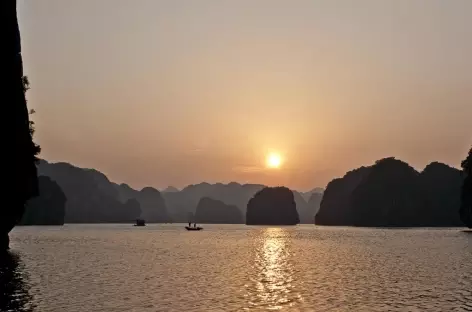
x=272, y=280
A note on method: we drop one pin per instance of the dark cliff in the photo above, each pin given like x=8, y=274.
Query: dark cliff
x=272, y=206
x=19, y=150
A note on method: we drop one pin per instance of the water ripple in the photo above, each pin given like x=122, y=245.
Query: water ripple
x=82, y=268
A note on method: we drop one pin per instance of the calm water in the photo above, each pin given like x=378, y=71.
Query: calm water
x=233, y=268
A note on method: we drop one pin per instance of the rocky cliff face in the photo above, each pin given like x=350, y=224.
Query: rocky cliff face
x=272, y=206
x=215, y=211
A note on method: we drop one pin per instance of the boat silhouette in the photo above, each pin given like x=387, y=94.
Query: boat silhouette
x=192, y=228
x=140, y=222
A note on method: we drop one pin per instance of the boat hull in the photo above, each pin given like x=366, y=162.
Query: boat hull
x=189, y=228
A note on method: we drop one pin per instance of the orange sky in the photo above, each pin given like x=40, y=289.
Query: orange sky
x=177, y=92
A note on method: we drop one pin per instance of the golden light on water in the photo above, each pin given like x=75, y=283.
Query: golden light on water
x=272, y=284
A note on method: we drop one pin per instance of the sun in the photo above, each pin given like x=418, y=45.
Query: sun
x=273, y=160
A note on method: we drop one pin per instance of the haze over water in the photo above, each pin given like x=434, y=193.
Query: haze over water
x=81, y=268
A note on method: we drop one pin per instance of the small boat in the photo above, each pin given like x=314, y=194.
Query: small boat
x=192, y=228
x=140, y=222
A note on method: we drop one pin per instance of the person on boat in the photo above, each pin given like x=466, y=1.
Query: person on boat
x=194, y=225
x=189, y=224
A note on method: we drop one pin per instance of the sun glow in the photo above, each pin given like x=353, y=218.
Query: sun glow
x=273, y=160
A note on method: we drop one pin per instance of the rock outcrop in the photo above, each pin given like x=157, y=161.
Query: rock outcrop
x=272, y=206
x=215, y=211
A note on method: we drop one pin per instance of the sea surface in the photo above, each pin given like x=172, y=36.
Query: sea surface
x=85, y=268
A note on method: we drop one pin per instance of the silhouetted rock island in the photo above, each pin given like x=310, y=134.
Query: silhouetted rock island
x=215, y=211
x=391, y=193
x=272, y=206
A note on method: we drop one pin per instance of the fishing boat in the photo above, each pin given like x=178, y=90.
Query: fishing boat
x=192, y=228
x=140, y=222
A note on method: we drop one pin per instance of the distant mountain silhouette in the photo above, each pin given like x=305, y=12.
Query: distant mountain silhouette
x=47, y=209
x=272, y=206
x=307, y=195
x=170, y=189
x=466, y=191
x=181, y=204
x=306, y=212
x=314, y=203
x=153, y=207
x=393, y=194
x=91, y=197
x=215, y=211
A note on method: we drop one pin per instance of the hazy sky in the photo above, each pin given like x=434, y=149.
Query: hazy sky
x=176, y=92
